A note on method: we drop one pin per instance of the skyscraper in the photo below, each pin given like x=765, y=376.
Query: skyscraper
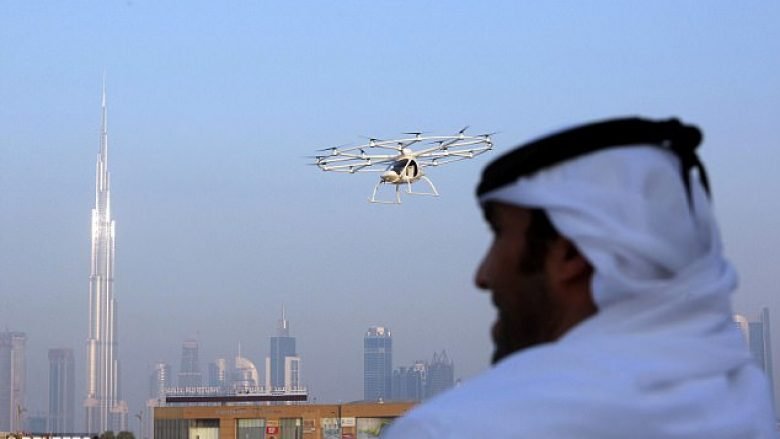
x=281, y=373
x=409, y=382
x=103, y=405
x=159, y=380
x=62, y=391
x=218, y=373
x=760, y=344
x=441, y=375
x=244, y=373
x=758, y=339
x=189, y=372
x=377, y=364
x=13, y=382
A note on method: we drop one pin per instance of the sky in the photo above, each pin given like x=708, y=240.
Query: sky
x=213, y=108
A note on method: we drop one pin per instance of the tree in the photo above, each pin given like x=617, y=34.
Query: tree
x=125, y=435
x=107, y=435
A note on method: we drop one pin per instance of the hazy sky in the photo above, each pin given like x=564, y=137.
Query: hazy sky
x=213, y=106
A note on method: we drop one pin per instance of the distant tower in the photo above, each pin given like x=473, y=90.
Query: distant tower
x=62, y=391
x=742, y=324
x=408, y=382
x=758, y=339
x=218, y=373
x=282, y=366
x=441, y=375
x=377, y=364
x=245, y=373
x=189, y=373
x=760, y=344
x=103, y=405
x=159, y=380
x=13, y=383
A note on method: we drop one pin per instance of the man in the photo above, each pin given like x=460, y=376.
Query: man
x=614, y=315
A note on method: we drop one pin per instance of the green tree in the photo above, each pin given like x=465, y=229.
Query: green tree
x=107, y=435
x=125, y=435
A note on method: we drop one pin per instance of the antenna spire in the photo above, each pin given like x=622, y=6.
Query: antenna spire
x=284, y=326
x=104, y=123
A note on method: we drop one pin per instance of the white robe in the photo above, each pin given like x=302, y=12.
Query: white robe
x=662, y=357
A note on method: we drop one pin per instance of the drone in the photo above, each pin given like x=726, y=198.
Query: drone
x=404, y=166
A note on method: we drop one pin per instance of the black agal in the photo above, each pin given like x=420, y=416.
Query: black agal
x=569, y=144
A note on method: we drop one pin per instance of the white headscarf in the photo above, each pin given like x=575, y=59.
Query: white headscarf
x=628, y=211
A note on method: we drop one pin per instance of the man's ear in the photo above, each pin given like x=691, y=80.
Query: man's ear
x=565, y=263
x=568, y=275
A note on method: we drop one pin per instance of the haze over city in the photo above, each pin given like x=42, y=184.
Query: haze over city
x=213, y=108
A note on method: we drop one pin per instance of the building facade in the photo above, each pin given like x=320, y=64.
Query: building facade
x=159, y=380
x=189, y=372
x=218, y=373
x=757, y=335
x=409, y=382
x=13, y=381
x=440, y=376
x=62, y=391
x=315, y=421
x=377, y=364
x=282, y=366
x=103, y=406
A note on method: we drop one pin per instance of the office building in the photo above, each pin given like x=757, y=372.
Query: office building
x=189, y=372
x=377, y=364
x=62, y=391
x=409, y=382
x=159, y=380
x=282, y=366
x=13, y=381
x=757, y=335
x=440, y=375
x=103, y=406
x=261, y=421
x=760, y=342
x=218, y=373
x=245, y=373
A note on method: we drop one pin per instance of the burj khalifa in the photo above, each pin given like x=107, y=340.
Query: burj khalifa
x=103, y=406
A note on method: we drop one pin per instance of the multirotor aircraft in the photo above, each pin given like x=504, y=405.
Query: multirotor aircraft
x=405, y=166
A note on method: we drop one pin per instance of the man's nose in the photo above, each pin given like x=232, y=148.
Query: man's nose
x=481, y=278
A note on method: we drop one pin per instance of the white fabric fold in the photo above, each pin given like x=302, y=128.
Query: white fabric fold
x=661, y=357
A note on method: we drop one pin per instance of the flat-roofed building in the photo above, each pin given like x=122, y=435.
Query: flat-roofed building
x=257, y=421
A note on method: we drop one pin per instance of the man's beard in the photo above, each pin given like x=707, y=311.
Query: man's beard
x=525, y=321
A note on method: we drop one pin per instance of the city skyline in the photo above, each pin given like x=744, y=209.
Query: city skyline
x=220, y=220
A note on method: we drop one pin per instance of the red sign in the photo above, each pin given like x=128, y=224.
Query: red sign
x=271, y=429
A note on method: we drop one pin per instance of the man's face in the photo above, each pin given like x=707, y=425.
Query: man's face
x=527, y=315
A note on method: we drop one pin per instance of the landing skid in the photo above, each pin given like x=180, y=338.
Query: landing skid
x=432, y=193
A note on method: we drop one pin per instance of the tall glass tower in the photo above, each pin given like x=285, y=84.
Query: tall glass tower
x=377, y=364
x=103, y=406
x=62, y=388
x=189, y=371
x=282, y=366
x=13, y=380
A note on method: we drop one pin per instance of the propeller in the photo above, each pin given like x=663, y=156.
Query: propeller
x=333, y=149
